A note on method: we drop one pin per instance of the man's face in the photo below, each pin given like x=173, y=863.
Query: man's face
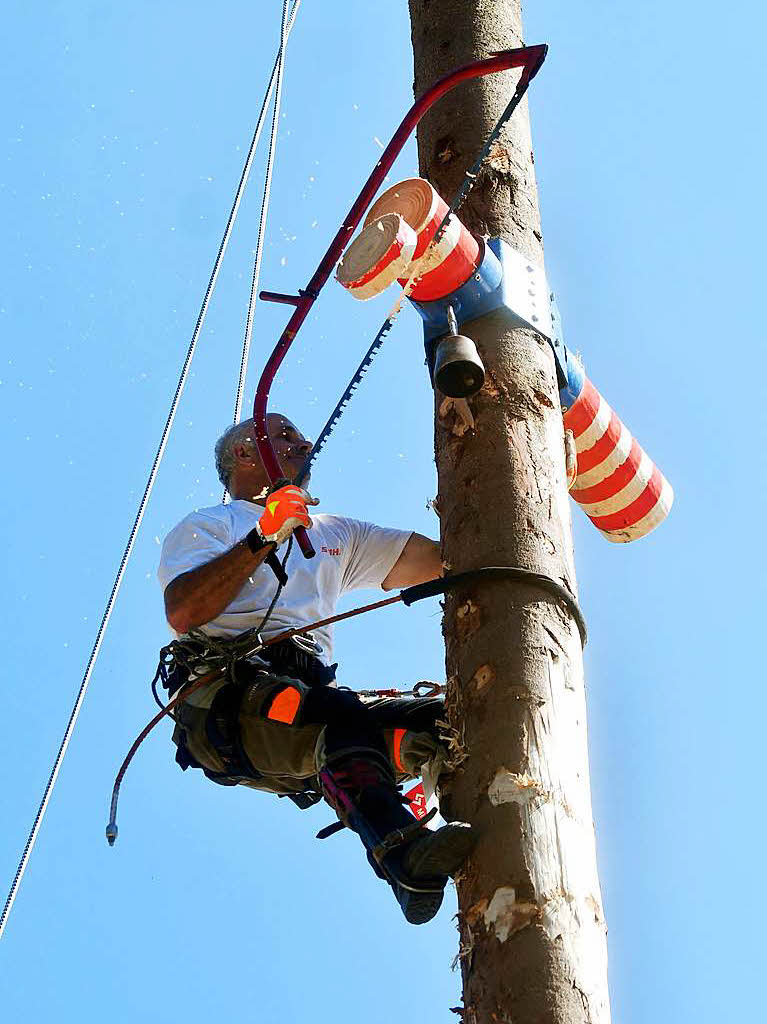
x=290, y=445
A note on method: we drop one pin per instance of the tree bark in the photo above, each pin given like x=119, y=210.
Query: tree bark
x=532, y=931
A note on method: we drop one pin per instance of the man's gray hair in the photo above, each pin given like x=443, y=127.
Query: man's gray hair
x=225, y=460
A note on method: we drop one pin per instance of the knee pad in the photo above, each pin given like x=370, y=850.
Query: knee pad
x=410, y=750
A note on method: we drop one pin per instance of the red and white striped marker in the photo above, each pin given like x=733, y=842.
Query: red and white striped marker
x=378, y=256
x=617, y=485
x=452, y=260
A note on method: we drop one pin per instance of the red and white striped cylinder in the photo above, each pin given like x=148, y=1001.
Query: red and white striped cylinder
x=378, y=256
x=394, y=245
x=452, y=260
x=617, y=485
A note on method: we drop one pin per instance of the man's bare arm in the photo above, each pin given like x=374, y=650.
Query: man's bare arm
x=201, y=594
x=419, y=562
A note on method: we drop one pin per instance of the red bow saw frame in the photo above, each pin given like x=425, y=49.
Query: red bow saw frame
x=530, y=59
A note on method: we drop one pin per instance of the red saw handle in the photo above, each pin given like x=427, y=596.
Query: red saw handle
x=530, y=58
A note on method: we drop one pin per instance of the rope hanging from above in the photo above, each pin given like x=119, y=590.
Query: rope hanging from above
x=279, y=67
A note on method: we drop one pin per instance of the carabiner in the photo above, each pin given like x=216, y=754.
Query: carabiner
x=426, y=688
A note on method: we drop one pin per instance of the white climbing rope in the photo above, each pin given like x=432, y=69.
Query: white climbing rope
x=279, y=65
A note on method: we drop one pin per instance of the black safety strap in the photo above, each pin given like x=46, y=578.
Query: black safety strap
x=444, y=584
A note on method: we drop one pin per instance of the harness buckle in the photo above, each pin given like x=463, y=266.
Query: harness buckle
x=306, y=643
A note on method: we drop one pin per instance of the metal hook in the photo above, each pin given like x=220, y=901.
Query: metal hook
x=427, y=688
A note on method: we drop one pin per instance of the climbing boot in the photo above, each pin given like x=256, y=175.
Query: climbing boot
x=414, y=861
x=422, y=866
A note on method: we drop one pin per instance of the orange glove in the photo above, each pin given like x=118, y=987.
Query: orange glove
x=285, y=510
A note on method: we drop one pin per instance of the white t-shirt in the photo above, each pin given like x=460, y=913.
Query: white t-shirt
x=350, y=554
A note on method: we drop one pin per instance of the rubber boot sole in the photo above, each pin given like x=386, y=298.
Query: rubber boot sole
x=429, y=861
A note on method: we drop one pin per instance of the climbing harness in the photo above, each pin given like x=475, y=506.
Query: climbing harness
x=252, y=643
x=180, y=661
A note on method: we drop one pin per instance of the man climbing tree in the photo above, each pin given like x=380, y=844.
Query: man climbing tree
x=277, y=722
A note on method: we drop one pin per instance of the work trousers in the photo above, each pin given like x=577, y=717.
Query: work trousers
x=283, y=732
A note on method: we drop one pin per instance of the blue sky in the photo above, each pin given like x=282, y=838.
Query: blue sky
x=123, y=133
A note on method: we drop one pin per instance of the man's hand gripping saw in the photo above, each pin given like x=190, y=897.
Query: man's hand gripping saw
x=286, y=508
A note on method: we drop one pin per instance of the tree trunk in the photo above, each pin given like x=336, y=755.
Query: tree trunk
x=532, y=931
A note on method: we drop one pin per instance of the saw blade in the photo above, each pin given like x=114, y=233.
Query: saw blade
x=349, y=390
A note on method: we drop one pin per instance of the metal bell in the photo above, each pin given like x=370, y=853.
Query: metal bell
x=458, y=370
